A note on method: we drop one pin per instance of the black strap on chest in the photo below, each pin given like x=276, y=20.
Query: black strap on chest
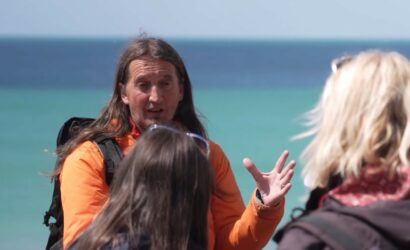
x=112, y=156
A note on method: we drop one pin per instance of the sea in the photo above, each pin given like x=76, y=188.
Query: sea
x=250, y=94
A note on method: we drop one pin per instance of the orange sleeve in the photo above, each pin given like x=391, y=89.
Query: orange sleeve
x=235, y=226
x=83, y=189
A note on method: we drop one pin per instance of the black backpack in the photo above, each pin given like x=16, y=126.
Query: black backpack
x=112, y=156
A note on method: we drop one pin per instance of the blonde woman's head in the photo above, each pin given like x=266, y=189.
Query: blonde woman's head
x=361, y=118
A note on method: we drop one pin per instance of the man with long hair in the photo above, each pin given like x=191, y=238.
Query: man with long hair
x=152, y=85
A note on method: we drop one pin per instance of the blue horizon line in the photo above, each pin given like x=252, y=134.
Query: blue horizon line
x=202, y=39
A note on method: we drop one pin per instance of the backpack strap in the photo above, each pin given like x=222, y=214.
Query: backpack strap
x=56, y=211
x=112, y=156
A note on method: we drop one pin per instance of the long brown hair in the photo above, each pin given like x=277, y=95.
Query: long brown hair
x=114, y=118
x=161, y=190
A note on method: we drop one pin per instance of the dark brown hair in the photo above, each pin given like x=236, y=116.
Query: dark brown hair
x=161, y=190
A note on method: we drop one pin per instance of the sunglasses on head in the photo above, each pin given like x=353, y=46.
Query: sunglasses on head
x=339, y=62
x=200, y=141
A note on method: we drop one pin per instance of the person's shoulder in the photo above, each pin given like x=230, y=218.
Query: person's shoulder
x=85, y=153
x=298, y=238
x=216, y=151
x=214, y=145
x=218, y=160
x=84, y=148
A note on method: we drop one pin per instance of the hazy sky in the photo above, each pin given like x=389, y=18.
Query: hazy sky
x=346, y=19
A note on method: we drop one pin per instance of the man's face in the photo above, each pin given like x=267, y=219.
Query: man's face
x=152, y=92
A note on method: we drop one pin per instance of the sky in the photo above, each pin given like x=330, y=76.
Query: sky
x=220, y=19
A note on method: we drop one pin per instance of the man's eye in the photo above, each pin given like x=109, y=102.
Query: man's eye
x=165, y=84
x=143, y=86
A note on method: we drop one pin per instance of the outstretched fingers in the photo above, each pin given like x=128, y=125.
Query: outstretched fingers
x=288, y=169
x=275, y=184
x=285, y=189
x=281, y=161
x=287, y=177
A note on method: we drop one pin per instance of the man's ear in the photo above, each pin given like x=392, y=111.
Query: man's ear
x=123, y=91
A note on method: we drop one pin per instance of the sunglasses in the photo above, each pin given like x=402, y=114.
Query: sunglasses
x=200, y=141
x=339, y=62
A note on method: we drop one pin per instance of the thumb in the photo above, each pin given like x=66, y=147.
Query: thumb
x=250, y=166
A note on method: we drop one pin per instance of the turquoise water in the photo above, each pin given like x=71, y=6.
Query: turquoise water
x=250, y=93
x=246, y=122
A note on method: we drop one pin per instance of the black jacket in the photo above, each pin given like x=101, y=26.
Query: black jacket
x=381, y=225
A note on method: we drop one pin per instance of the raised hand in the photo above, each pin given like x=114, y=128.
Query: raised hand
x=275, y=184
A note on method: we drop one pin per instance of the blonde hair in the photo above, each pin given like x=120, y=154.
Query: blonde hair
x=361, y=118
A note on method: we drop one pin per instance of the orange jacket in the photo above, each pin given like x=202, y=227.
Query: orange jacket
x=230, y=224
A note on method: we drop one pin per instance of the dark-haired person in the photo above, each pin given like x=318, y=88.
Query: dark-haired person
x=159, y=196
x=152, y=85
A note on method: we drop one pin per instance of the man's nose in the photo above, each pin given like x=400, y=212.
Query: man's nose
x=155, y=94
